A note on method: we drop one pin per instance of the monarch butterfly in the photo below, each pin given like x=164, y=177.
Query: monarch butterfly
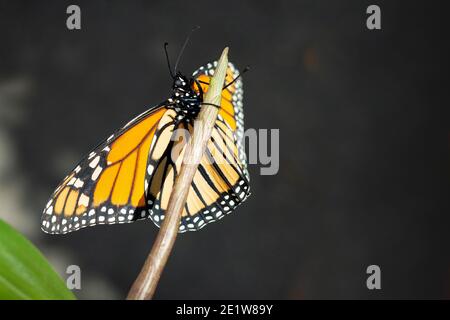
x=130, y=175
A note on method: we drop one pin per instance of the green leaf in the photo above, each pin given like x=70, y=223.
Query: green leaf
x=24, y=271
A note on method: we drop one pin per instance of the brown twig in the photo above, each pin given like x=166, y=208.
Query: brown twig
x=145, y=284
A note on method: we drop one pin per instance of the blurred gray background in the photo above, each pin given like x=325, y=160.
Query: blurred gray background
x=364, y=150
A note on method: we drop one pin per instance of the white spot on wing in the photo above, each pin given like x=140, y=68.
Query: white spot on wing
x=84, y=200
x=72, y=181
x=94, y=162
x=96, y=173
x=78, y=184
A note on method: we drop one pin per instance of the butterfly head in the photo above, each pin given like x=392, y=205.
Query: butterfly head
x=180, y=83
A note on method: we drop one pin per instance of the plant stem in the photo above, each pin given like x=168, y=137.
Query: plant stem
x=145, y=284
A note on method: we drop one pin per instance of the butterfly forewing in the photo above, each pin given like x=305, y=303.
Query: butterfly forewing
x=107, y=186
x=231, y=110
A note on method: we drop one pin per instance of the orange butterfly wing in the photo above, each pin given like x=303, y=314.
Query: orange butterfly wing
x=231, y=110
x=108, y=186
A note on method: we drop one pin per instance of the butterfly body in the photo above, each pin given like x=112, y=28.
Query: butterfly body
x=131, y=174
x=185, y=101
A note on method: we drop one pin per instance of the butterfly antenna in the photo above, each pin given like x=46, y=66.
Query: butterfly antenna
x=168, y=60
x=184, y=46
x=239, y=75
